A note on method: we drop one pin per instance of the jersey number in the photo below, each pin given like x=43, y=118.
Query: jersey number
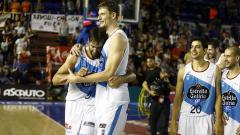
x=196, y=109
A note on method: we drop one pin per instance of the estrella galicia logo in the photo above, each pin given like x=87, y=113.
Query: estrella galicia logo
x=198, y=92
x=229, y=100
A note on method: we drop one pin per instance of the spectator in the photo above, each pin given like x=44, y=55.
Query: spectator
x=21, y=45
x=26, y=6
x=63, y=32
x=21, y=30
x=5, y=75
x=228, y=39
x=213, y=13
x=75, y=35
x=20, y=68
x=79, y=6
x=39, y=6
x=70, y=7
x=5, y=46
x=6, y=31
x=15, y=8
x=173, y=38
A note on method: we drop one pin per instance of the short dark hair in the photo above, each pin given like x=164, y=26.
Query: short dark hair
x=214, y=43
x=201, y=40
x=98, y=35
x=112, y=6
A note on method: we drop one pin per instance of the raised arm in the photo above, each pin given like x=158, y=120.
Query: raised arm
x=218, y=104
x=116, y=52
x=177, y=102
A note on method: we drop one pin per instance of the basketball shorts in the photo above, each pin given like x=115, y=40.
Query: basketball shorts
x=111, y=119
x=195, y=125
x=79, y=118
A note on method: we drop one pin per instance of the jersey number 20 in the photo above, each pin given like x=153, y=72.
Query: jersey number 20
x=196, y=109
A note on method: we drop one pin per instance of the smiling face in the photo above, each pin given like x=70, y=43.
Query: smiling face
x=150, y=63
x=95, y=49
x=231, y=59
x=105, y=17
x=211, y=51
x=197, y=50
x=108, y=12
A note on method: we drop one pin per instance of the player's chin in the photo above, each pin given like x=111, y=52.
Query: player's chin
x=101, y=24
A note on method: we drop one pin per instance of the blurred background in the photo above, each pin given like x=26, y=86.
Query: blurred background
x=33, y=48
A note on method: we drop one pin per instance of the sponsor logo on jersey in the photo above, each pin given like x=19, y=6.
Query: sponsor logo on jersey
x=198, y=92
x=229, y=100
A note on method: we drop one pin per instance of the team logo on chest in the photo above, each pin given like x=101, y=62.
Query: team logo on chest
x=229, y=100
x=198, y=92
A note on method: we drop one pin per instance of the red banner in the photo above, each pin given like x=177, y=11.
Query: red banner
x=56, y=56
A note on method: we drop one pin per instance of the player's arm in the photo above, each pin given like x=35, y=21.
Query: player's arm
x=218, y=104
x=116, y=52
x=238, y=131
x=60, y=77
x=116, y=81
x=177, y=102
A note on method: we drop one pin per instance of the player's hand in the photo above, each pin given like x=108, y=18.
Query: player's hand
x=76, y=50
x=115, y=81
x=218, y=127
x=82, y=72
x=71, y=78
x=224, y=119
x=238, y=131
x=173, y=128
x=152, y=93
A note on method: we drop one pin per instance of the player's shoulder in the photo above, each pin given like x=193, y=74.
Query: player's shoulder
x=181, y=71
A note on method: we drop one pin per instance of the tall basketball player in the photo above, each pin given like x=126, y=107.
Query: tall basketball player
x=111, y=103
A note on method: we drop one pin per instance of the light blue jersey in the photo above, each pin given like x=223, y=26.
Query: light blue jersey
x=83, y=90
x=199, y=91
x=230, y=101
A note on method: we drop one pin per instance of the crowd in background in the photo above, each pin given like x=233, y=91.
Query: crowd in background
x=163, y=33
x=15, y=51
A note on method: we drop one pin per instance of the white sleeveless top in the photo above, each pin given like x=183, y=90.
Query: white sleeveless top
x=82, y=91
x=104, y=92
x=231, y=102
x=199, y=91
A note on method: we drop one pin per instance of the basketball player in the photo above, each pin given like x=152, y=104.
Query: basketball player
x=80, y=106
x=231, y=91
x=197, y=96
x=111, y=103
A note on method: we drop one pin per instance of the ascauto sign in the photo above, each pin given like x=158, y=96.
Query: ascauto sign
x=23, y=92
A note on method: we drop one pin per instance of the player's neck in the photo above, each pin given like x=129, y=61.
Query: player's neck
x=112, y=29
x=88, y=53
x=199, y=65
x=235, y=71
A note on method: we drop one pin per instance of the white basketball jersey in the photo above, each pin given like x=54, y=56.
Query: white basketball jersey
x=230, y=101
x=82, y=91
x=104, y=92
x=199, y=91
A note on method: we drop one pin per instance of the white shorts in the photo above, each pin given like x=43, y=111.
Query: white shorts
x=111, y=120
x=195, y=125
x=79, y=118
